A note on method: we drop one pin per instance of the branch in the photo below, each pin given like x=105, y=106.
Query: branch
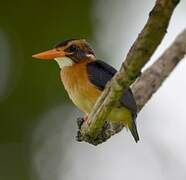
x=139, y=54
x=149, y=82
x=155, y=75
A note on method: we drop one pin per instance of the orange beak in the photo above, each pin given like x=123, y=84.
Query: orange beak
x=51, y=54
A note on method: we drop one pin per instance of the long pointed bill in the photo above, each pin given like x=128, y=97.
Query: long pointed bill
x=49, y=55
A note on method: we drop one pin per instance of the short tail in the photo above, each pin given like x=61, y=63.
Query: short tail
x=134, y=131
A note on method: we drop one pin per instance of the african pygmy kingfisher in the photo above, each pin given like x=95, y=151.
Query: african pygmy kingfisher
x=84, y=78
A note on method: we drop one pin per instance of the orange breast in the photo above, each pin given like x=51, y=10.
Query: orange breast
x=77, y=84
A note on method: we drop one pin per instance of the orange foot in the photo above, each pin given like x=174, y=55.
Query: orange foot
x=85, y=118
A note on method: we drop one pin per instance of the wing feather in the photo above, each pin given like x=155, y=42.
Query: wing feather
x=100, y=73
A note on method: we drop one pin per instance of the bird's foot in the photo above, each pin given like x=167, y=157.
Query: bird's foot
x=85, y=118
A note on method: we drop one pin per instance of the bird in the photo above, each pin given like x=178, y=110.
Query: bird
x=85, y=77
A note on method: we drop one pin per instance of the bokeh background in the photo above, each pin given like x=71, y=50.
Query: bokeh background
x=37, y=119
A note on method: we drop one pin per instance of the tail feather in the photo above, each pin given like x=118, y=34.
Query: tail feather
x=133, y=130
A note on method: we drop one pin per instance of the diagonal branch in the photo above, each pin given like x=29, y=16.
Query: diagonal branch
x=150, y=81
x=139, y=54
x=152, y=78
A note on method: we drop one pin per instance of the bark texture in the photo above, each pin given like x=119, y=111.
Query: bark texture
x=152, y=78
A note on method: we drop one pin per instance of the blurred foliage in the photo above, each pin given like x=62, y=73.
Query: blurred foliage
x=35, y=86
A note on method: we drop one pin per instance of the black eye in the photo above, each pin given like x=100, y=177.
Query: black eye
x=73, y=48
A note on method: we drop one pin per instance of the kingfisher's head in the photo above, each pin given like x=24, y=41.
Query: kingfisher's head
x=68, y=52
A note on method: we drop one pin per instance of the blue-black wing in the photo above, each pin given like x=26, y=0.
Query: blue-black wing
x=100, y=73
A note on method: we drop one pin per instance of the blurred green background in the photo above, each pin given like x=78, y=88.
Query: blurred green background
x=29, y=86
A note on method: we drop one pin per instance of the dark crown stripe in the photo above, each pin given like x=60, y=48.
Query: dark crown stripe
x=64, y=43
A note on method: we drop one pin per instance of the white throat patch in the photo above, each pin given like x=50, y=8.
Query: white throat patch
x=64, y=62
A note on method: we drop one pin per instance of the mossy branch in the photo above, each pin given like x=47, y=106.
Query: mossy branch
x=139, y=54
